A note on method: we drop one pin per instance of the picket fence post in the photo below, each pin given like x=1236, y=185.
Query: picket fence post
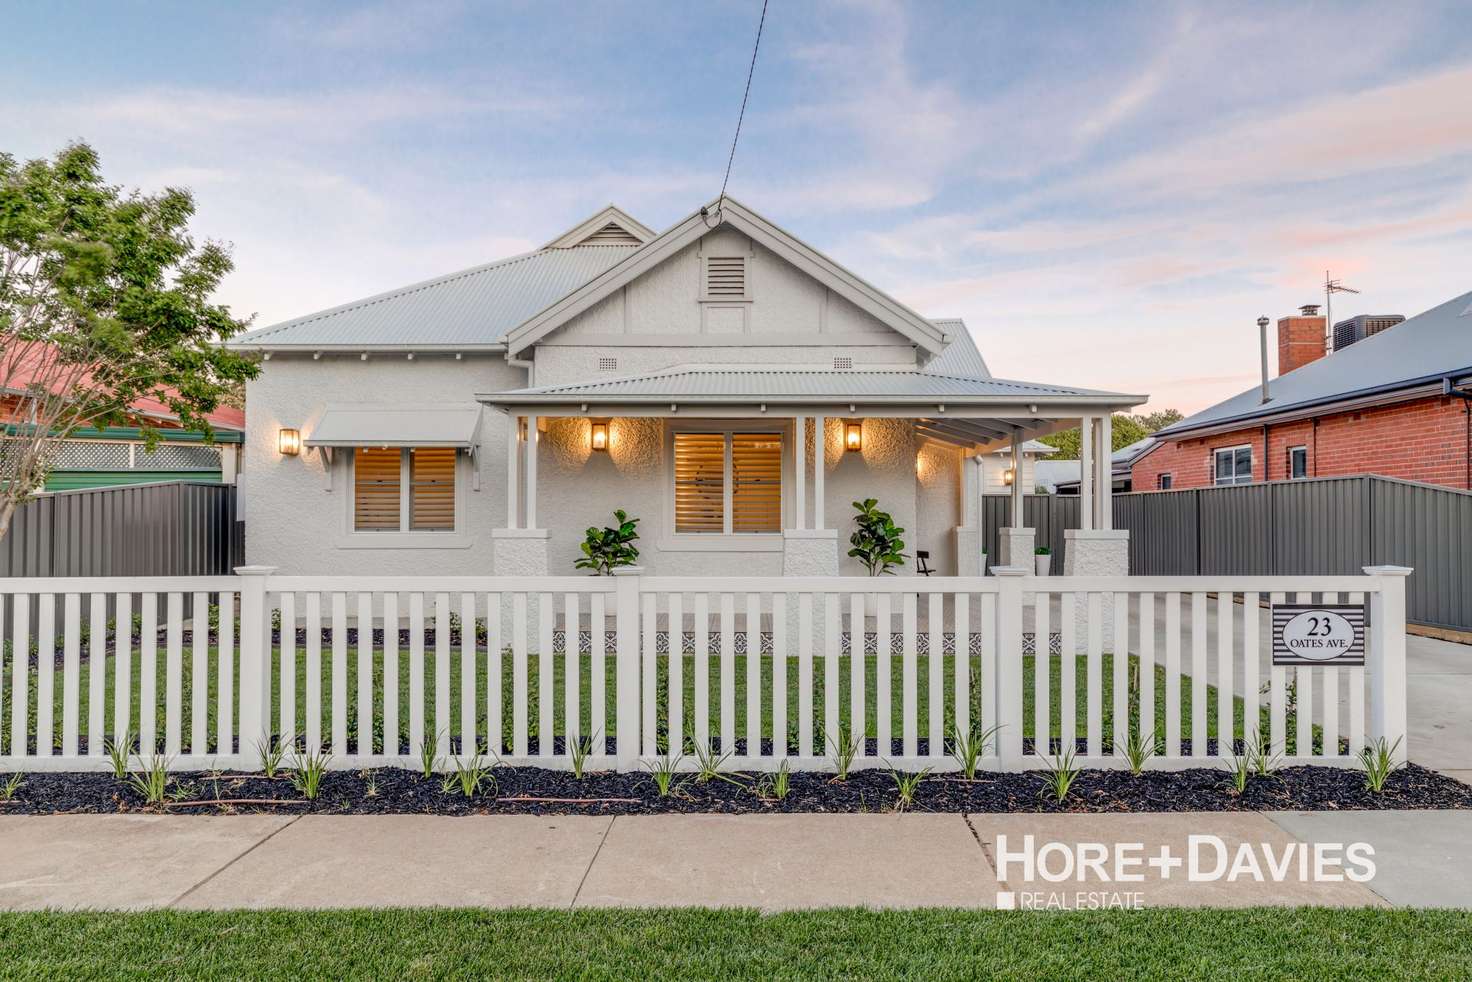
x=255, y=661
x=1386, y=658
x=1008, y=694
x=627, y=589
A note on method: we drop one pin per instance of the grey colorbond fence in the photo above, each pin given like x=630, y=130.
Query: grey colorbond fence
x=1323, y=526
x=174, y=528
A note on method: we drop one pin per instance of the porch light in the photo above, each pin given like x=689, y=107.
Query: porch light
x=289, y=442
x=1008, y=476
x=853, y=435
x=599, y=435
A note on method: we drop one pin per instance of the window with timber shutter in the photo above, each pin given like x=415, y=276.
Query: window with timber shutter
x=728, y=482
x=399, y=489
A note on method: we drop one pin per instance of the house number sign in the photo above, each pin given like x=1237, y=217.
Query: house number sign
x=1318, y=634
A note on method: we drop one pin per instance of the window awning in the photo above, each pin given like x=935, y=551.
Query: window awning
x=397, y=425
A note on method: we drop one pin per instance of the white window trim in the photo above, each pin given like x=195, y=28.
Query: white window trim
x=351, y=537
x=1251, y=464
x=1169, y=476
x=1291, y=450
x=673, y=541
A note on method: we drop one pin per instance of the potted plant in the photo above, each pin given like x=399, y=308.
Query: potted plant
x=1042, y=559
x=606, y=549
x=876, y=540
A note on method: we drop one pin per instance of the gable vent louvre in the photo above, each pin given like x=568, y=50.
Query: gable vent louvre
x=725, y=277
x=606, y=364
x=843, y=362
x=611, y=234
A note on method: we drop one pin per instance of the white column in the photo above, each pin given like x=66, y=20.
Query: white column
x=513, y=473
x=1086, y=472
x=1104, y=475
x=820, y=453
x=1018, y=521
x=531, y=472
x=800, y=471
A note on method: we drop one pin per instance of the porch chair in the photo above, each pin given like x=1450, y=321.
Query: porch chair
x=922, y=562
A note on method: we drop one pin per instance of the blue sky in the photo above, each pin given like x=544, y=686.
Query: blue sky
x=1108, y=194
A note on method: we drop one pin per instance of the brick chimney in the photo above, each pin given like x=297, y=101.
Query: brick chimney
x=1300, y=338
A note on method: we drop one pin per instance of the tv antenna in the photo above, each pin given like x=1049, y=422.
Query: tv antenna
x=1331, y=287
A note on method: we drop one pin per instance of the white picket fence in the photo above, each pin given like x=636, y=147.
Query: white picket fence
x=632, y=669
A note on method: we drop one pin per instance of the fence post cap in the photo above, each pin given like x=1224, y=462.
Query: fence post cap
x=628, y=570
x=1388, y=570
x=255, y=570
x=1010, y=571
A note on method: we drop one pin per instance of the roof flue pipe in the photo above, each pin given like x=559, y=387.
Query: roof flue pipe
x=1262, y=334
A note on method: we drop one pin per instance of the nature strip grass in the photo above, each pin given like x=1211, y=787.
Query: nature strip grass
x=1262, y=943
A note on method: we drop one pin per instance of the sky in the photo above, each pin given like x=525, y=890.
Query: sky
x=1108, y=194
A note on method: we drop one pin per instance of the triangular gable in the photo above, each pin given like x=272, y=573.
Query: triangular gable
x=611, y=226
x=783, y=244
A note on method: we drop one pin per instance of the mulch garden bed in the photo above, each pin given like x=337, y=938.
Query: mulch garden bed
x=535, y=791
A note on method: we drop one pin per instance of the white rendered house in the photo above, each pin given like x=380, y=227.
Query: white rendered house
x=722, y=381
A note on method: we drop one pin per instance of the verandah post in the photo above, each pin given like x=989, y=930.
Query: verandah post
x=1386, y=657
x=627, y=701
x=255, y=661
x=1008, y=694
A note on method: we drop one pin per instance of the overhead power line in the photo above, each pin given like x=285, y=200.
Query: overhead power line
x=750, y=71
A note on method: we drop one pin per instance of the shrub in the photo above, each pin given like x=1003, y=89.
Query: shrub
x=1062, y=772
x=876, y=541
x=606, y=549
x=1378, y=760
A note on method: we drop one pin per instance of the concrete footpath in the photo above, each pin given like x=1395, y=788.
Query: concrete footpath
x=771, y=862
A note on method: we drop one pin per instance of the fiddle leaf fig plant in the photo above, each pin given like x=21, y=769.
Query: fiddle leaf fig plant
x=876, y=540
x=606, y=549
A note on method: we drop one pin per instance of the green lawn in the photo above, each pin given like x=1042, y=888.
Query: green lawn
x=452, y=724
x=1234, y=945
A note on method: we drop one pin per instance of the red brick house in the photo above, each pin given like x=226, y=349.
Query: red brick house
x=1396, y=403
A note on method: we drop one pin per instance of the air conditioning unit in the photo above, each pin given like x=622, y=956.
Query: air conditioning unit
x=1358, y=328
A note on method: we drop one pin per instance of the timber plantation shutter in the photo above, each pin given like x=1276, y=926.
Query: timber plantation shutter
x=432, y=489
x=709, y=465
x=756, y=482
x=700, y=485
x=376, y=489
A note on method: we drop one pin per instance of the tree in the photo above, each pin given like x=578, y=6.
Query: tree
x=104, y=300
x=1124, y=430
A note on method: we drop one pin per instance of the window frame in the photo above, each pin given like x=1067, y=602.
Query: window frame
x=405, y=537
x=1291, y=451
x=1165, y=481
x=1237, y=479
x=727, y=540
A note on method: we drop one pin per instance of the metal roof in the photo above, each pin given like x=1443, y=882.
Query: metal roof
x=474, y=307
x=960, y=356
x=1431, y=346
x=397, y=425
x=737, y=382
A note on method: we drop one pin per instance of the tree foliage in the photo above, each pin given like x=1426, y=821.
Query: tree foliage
x=1125, y=429
x=104, y=300
x=606, y=549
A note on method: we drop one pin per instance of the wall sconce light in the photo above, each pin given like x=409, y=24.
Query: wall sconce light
x=853, y=435
x=289, y=441
x=599, y=435
x=1008, y=476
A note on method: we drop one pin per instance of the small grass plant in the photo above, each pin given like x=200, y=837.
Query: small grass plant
x=469, y=775
x=308, y=771
x=776, y=785
x=1060, y=776
x=969, y=747
x=905, y=786
x=663, y=772
x=151, y=779
x=11, y=786
x=118, y=753
x=580, y=750
x=429, y=755
x=1138, y=749
x=709, y=766
x=1379, y=761
x=272, y=752
x=1260, y=752
x=1239, y=769
x=842, y=751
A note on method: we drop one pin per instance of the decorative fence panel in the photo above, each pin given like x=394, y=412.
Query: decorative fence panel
x=634, y=672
